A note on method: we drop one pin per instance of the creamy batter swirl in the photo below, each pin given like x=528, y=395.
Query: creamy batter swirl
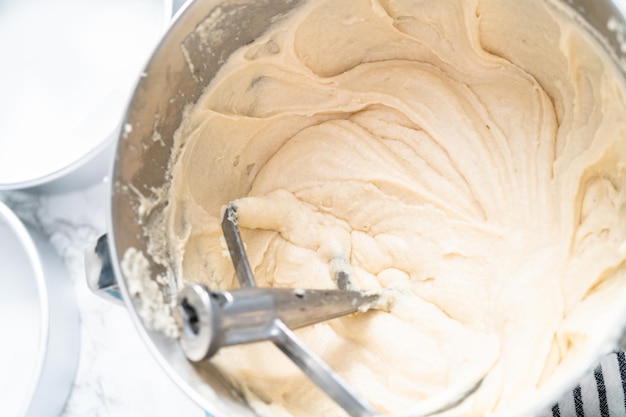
x=467, y=156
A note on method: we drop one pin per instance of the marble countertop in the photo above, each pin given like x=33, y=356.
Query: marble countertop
x=117, y=376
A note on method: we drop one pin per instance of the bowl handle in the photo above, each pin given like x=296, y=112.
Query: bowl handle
x=101, y=279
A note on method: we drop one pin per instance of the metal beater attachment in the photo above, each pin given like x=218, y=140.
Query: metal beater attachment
x=225, y=318
x=215, y=319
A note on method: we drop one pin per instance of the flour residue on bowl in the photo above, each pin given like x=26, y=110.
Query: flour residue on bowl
x=148, y=293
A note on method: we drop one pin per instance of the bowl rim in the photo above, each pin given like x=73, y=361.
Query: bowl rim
x=23, y=238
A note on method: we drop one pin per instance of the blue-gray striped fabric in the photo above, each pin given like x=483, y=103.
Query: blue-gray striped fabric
x=601, y=393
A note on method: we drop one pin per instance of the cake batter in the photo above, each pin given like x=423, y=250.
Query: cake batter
x=466, y=156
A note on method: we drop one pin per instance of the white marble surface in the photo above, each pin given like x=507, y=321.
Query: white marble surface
x=116, y=376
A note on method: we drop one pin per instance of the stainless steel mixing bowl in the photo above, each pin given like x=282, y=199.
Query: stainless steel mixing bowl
x=181, y=67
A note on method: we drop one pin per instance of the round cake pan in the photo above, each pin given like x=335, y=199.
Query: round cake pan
x=72, y=70
x=39, y=323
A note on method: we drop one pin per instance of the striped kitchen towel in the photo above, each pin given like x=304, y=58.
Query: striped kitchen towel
x=601, y=393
